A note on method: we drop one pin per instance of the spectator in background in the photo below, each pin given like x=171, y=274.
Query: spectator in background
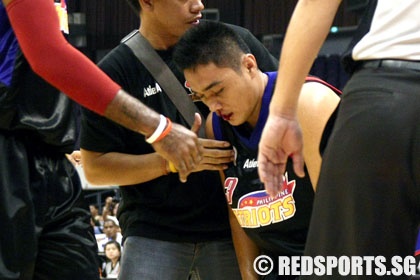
x=108, y=209
x=96, y=229
x=94, y=211
x=115, y=209
x=97, y=221
x=112, y=232
x=111, y=267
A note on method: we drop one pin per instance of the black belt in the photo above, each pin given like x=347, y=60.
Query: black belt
x=390, y=63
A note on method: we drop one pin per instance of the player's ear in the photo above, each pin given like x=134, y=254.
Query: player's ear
x=249, y=62
x=146, y=4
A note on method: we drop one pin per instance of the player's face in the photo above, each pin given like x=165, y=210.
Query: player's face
x=174, y=17
x=236, y=97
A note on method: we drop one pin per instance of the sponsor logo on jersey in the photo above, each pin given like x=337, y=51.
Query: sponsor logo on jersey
x=250, y=163
x=258, y=209
x=149, y=91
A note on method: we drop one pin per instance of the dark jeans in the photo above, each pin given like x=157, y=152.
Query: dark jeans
x=151, y=259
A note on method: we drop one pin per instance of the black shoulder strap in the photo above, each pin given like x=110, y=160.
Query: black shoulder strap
x=164, y=76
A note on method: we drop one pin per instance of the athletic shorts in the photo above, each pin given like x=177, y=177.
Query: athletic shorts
x=44, y=221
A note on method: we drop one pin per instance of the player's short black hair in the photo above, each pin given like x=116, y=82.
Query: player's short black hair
x=135, y=5
x=210, y=42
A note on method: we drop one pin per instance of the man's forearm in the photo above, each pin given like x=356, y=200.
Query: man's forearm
x=122, y=169
x=132, y=114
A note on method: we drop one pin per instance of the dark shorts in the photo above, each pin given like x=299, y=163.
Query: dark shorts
x=368, y=196
x=45, y=223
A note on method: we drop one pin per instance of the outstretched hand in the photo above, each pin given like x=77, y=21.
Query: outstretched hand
x=182, y=148
x=281, y=139
x=215, y=155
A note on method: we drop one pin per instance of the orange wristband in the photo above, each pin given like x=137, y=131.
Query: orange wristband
x=163, y=123
x=165, y=131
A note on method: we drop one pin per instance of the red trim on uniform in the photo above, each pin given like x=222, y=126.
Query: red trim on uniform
x=37, y=29
x=318, y=80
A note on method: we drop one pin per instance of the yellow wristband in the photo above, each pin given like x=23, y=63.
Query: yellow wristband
x=172, y=167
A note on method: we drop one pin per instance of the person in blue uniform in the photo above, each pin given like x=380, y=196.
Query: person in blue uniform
x=221, y=71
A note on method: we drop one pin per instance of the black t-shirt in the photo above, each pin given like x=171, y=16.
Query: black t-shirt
x=163, y=208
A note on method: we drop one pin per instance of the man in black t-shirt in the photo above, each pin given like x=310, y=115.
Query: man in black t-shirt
x=172, y=230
